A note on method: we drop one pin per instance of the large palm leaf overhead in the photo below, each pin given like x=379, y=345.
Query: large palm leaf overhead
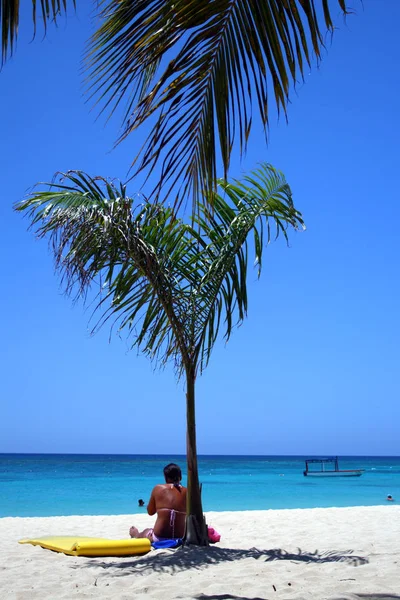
x=201, y=70
x=171, y=284
x=220, y=61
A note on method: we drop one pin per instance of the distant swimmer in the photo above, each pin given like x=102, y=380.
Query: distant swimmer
x=390, y=498
x=141, y=502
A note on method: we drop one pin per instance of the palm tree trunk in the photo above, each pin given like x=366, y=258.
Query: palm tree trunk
x=196, y=529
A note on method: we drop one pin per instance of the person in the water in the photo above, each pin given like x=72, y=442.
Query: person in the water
x=168, y=502
x=141, y=502
x=390, y=498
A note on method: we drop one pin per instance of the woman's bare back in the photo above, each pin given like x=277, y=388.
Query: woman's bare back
x=169, y=502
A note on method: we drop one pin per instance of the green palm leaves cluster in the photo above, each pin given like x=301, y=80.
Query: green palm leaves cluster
x=170, y=284
x=221, y=61
x=200, y=72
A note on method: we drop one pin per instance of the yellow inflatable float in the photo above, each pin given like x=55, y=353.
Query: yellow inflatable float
x=88, y=546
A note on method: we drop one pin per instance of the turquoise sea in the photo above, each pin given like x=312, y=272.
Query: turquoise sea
x=49, y=485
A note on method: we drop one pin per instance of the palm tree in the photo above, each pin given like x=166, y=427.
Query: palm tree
x=202, y=70
x=170, y=284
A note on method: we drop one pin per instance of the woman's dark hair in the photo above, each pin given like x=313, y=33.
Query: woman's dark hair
x=173, y=473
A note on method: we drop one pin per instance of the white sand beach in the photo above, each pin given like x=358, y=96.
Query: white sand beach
x=318, y=554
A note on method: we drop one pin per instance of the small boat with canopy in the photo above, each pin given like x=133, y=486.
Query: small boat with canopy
x=328, y=467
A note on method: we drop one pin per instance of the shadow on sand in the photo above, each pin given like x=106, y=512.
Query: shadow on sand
x=173, y=561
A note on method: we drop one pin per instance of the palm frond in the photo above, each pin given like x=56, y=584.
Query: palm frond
x=132, y=254
x=220, y=60
x=46, y=10
x=258, y=205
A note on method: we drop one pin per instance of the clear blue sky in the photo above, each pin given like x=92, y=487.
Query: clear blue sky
x=315, y=367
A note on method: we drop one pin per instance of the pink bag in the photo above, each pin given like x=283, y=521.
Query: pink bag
x=213, y=536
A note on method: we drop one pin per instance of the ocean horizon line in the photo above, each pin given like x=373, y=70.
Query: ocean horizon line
x=327, y=455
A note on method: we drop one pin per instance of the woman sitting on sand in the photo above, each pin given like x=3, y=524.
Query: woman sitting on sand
x=168, y=501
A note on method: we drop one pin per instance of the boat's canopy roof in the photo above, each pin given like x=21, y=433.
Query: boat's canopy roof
x=321, y=460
